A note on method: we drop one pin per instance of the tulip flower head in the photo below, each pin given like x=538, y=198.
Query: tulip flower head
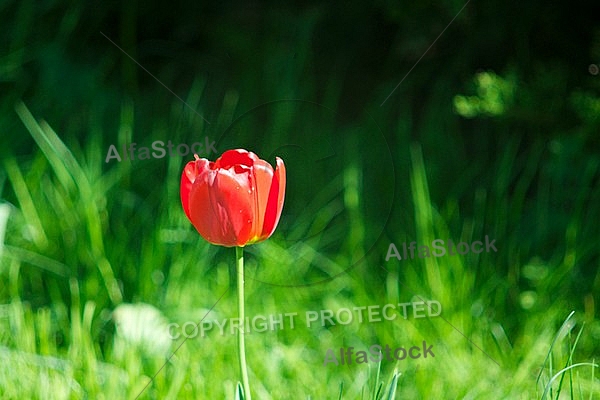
x=234, y=201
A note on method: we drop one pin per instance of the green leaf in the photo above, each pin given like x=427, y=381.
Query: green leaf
x=392, y=387
x=239, y=392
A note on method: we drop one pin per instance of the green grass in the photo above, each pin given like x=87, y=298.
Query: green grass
x=70, y=265
x=96, y=258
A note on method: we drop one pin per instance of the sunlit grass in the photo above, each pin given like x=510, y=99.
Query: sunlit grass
x=67, y=333
x=97, y=258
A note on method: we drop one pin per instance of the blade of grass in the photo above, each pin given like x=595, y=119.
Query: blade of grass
x=26, y=202
x=564, y=327
x=392, y=387
x=570, y=361
x=375, y=389
x=549, y=385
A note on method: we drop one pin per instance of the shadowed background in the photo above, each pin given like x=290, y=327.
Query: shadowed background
x=494, y=132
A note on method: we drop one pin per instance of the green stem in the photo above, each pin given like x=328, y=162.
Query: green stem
x=239, y=256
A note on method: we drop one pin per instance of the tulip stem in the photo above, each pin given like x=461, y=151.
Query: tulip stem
x=239, y=255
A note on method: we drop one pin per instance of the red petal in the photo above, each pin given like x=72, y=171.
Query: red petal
x=190, y=172
x=232, y=158
x=222, y=210
x=262, y=177
x=276, y=198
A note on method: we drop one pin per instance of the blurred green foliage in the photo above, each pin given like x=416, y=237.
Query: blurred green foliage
x=494, y=132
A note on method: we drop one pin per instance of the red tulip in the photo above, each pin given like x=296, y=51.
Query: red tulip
x=234, y=201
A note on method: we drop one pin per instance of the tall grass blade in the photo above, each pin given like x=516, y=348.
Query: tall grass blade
x=565, y=327
x=559, y=373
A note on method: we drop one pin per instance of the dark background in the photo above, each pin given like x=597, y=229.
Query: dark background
x=519, y=161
